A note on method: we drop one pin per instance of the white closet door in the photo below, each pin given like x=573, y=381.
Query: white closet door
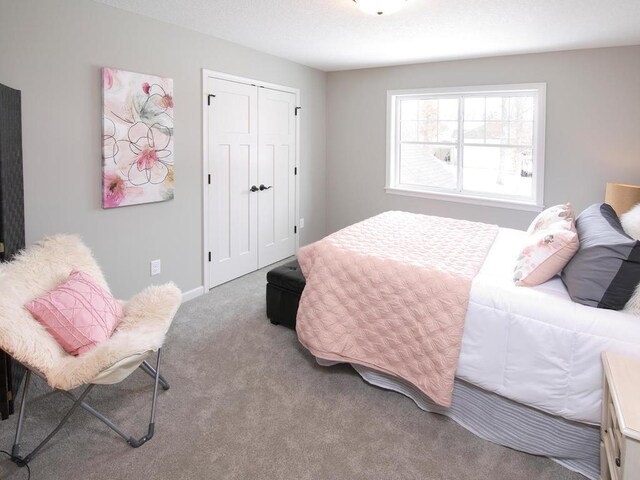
x=276, y=175
x=233, y=166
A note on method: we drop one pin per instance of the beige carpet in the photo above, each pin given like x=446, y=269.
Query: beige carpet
x=248, y=402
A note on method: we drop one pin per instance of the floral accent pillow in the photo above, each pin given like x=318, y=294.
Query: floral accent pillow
x=551, y=242
x=550, y=216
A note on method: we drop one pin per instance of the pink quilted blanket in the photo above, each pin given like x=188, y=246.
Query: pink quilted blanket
x=391, y=293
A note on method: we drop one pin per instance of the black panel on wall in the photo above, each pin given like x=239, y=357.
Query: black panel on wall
x=11, y=218
x=11, y=186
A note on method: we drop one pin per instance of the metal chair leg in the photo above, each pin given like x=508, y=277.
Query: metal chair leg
x=135, y=443
x=15, y=450
x=23, y=461
x=149, y=370
x=79, y=402
x=104, y=419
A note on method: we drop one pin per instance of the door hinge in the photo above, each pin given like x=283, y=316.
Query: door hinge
x=296, y=110
x=295, y=170
x=295, y=229
x=209, y=98
x=209, y=179
x=209, y=256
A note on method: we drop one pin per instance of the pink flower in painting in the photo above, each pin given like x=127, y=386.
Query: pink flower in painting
x=167, y=101
x=114, y=190
x=150, y=162
x=146, y=87
x=147, y=158
x=107, y=78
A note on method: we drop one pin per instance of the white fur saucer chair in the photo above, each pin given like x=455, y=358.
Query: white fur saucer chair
x=147, y=317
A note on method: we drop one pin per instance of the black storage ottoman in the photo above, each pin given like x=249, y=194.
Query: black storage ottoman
x=284, y=288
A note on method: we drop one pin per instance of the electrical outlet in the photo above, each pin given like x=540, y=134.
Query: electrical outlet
x=156, y=267
x=302, y=223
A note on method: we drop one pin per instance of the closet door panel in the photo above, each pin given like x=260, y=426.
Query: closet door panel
x=233, y=166
x=276, y=175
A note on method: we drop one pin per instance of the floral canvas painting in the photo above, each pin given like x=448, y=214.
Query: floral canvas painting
x=137, y=143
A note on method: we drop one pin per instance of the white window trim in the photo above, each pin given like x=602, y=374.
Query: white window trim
x=536, y=204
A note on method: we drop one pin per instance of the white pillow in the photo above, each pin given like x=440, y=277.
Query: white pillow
x=631, y=222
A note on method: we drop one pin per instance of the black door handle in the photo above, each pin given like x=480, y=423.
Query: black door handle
x=262, y=187
x=253, y=188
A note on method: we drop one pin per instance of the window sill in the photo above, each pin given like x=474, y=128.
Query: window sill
x=473, y=200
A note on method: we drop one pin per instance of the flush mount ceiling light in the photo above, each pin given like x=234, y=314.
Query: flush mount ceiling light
x=380, y=7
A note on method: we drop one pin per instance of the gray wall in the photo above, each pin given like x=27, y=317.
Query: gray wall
x=53, y=50
x=592, y=135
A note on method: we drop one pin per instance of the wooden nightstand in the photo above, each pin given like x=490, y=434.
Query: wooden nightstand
x=620, y=432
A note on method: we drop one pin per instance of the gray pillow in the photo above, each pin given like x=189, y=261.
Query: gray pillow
x=605, y=271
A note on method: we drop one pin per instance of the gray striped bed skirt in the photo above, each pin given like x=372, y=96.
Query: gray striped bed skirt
x=492, y=417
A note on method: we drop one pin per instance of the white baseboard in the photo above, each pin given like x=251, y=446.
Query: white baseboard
x=191, y=294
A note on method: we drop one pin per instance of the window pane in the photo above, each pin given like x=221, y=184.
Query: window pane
x=408, y=110
x=497, y=132
x=429, y=165
x=448, y=109
x=521, y=109
x=428, y=132
x=474, y=108
x=521, y=133
x=497, y=108
x=499, y=170
x=494, y=127
x=437, y=121
x=428, y=110
x=474, y=132
x=448, y=132
x=408, y=131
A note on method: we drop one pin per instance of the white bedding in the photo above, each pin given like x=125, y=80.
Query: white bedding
x=535, y=345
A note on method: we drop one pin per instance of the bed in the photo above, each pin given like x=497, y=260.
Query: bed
x=529, y=372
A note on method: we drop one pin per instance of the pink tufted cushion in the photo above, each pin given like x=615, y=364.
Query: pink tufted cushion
x=78, y=313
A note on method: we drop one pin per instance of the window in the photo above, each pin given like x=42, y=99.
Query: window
x=473, y=144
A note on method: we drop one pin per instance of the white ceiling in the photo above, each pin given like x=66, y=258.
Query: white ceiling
x=336, y=35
